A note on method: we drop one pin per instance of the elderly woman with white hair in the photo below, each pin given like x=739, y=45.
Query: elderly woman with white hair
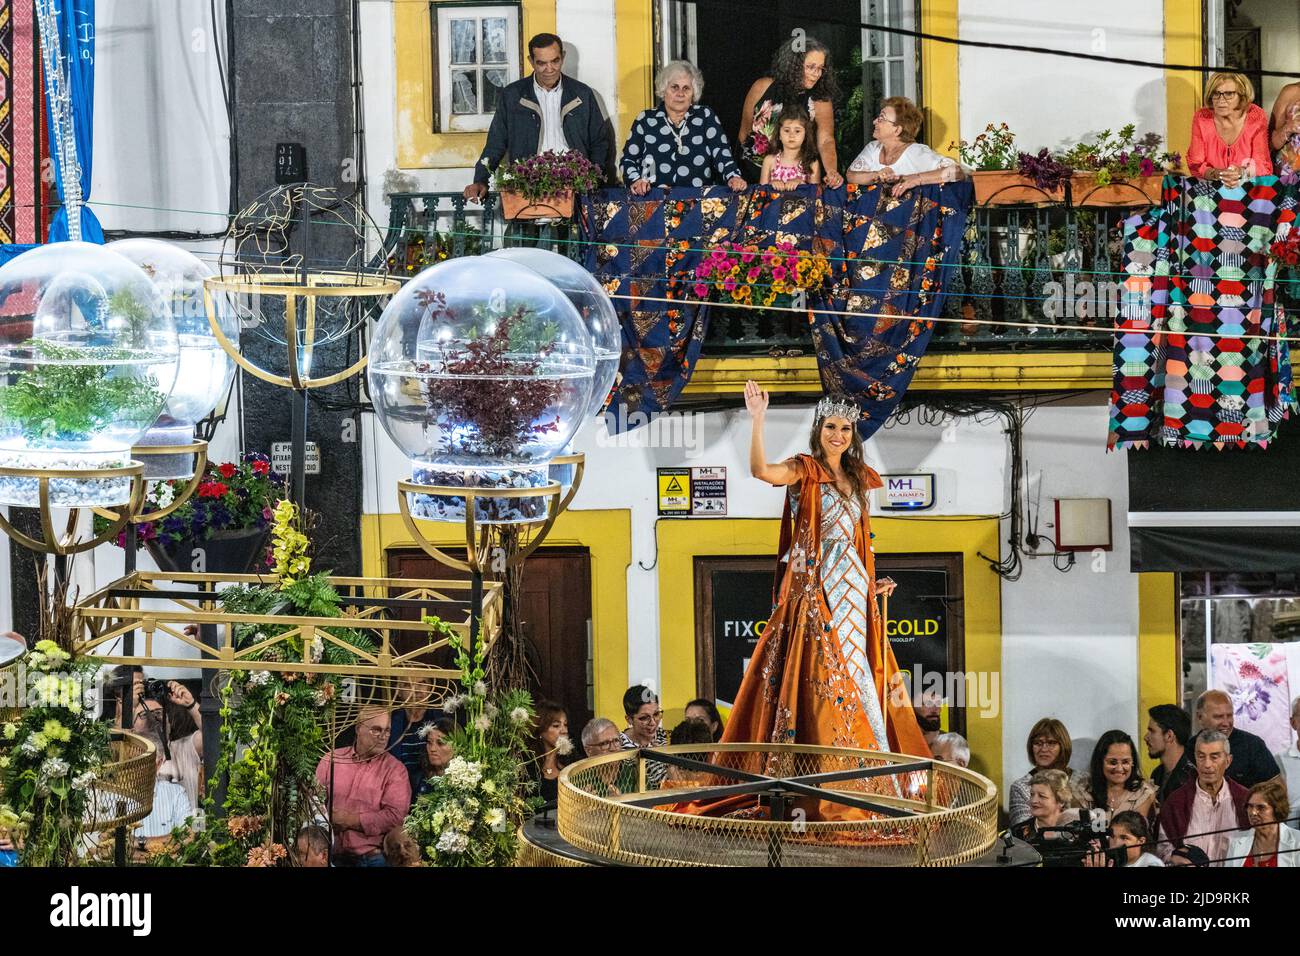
x=680, y=142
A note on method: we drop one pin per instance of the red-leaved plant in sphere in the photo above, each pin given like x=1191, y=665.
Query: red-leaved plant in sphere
x=475, y=418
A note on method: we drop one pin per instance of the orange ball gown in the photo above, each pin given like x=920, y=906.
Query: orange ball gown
x=817, y=675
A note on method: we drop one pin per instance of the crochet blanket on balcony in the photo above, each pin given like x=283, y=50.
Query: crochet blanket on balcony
x=870, y=325
x=1198, y=362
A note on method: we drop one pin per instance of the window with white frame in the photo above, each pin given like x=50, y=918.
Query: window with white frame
x=477, y=56
x=889, y=60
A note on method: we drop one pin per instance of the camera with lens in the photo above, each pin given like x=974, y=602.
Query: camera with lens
x=1069, y=843
x=155, y=689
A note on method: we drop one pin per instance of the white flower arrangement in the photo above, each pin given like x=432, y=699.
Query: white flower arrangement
x=495, y=818
x=317, y=649
x=482, y=722
x=520, y=716
x=480, y=689
x=258, y=678
x=463, y=774
x=82, y=781
x=53, y=768
x=452, y=841
x=563, y=746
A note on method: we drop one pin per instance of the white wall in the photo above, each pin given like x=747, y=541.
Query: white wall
x=1054, y=101
x=1069, y=641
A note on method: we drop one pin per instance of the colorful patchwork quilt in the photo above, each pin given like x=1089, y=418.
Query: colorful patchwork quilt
x=1200, y=358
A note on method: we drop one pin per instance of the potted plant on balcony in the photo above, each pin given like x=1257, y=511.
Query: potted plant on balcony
x=1117, y=169
x=544, y=186
x=996, y=176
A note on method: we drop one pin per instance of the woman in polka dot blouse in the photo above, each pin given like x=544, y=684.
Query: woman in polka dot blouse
x=681, y=143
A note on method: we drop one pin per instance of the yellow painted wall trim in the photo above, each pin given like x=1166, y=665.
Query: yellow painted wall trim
x=1184, y=43
x=634, y=41
x=681, y=542
x=939, y=75
x=960, y=370
x=606, y=534
x=418, y=146
x=1158, y=657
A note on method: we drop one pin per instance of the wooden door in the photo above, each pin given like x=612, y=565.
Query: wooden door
x=556, y=612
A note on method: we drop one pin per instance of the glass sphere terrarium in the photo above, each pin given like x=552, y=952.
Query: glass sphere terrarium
x=480, y=371
x=592, y=302
x=205, y=369
x=88, y=358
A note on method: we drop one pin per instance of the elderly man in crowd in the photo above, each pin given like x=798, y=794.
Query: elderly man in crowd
x=546, y=111
x=1251, y=761
x=680, y=142
x=312, y=847
x=1289, y=762
x=1204, y=812
x=951, y=748
x=369, y=791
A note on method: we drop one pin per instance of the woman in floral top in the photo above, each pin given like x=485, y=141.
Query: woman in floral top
x=681, y=143
x=1285, y=138
x=803, y=77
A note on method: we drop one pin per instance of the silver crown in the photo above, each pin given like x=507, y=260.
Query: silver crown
x=828, y=407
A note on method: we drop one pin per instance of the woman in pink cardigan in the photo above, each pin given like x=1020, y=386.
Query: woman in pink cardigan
x=1230, y=134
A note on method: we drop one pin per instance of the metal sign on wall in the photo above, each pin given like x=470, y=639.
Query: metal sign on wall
x=692, y=492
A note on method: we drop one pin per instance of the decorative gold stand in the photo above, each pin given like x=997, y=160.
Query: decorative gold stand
x=65, y=544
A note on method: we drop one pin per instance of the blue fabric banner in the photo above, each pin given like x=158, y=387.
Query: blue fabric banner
x=870, y=323
x=76, y=22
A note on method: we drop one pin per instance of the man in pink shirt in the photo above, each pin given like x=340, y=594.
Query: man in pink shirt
x=371, y=792
x=1205, y=811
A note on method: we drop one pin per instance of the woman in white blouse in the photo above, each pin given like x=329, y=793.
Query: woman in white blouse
x=894, y=156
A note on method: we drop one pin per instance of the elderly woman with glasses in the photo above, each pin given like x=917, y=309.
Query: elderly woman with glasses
x=1049, y=748
x=895, y=158
x=1230, y=141
x=680, y=142
x=1267, y=843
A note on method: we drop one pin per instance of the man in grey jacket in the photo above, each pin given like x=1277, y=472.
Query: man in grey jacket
x=544, y=111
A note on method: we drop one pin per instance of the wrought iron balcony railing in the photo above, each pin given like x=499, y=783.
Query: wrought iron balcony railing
x=1031, y=278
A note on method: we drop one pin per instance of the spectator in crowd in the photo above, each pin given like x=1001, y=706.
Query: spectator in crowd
x=406, y=739
x=436, y=754
x=1168, y=730
x=1184, y=855
x=951, y=748
x=1288, y=760
x=895, y=158
x=311, y=847
x=1267, y=843
x=400, y=848
x=546, y=111
x=185, y=738
x=1115, y=780
x=599, y=737
x=368, y=789
x=1285, y=137
x=1251, y=761
x=707, y=711
x=1205, y=811
x=171, y=807
x=1049, y=806
x=681, y=142
x=1049, y=748
x=687, y=732
x=929, y=717
x=550, y=745
x=1129, y=838
x=801, y=76
x=1230, y=140
x=644, y=729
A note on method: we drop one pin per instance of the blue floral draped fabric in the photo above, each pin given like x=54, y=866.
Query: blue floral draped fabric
x=1200, y=357
x=889, y=258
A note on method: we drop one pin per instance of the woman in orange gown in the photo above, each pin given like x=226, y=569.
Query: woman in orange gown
x=822, y=669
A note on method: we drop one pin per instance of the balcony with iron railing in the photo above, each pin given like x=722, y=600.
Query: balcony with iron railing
x=1032, y=305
